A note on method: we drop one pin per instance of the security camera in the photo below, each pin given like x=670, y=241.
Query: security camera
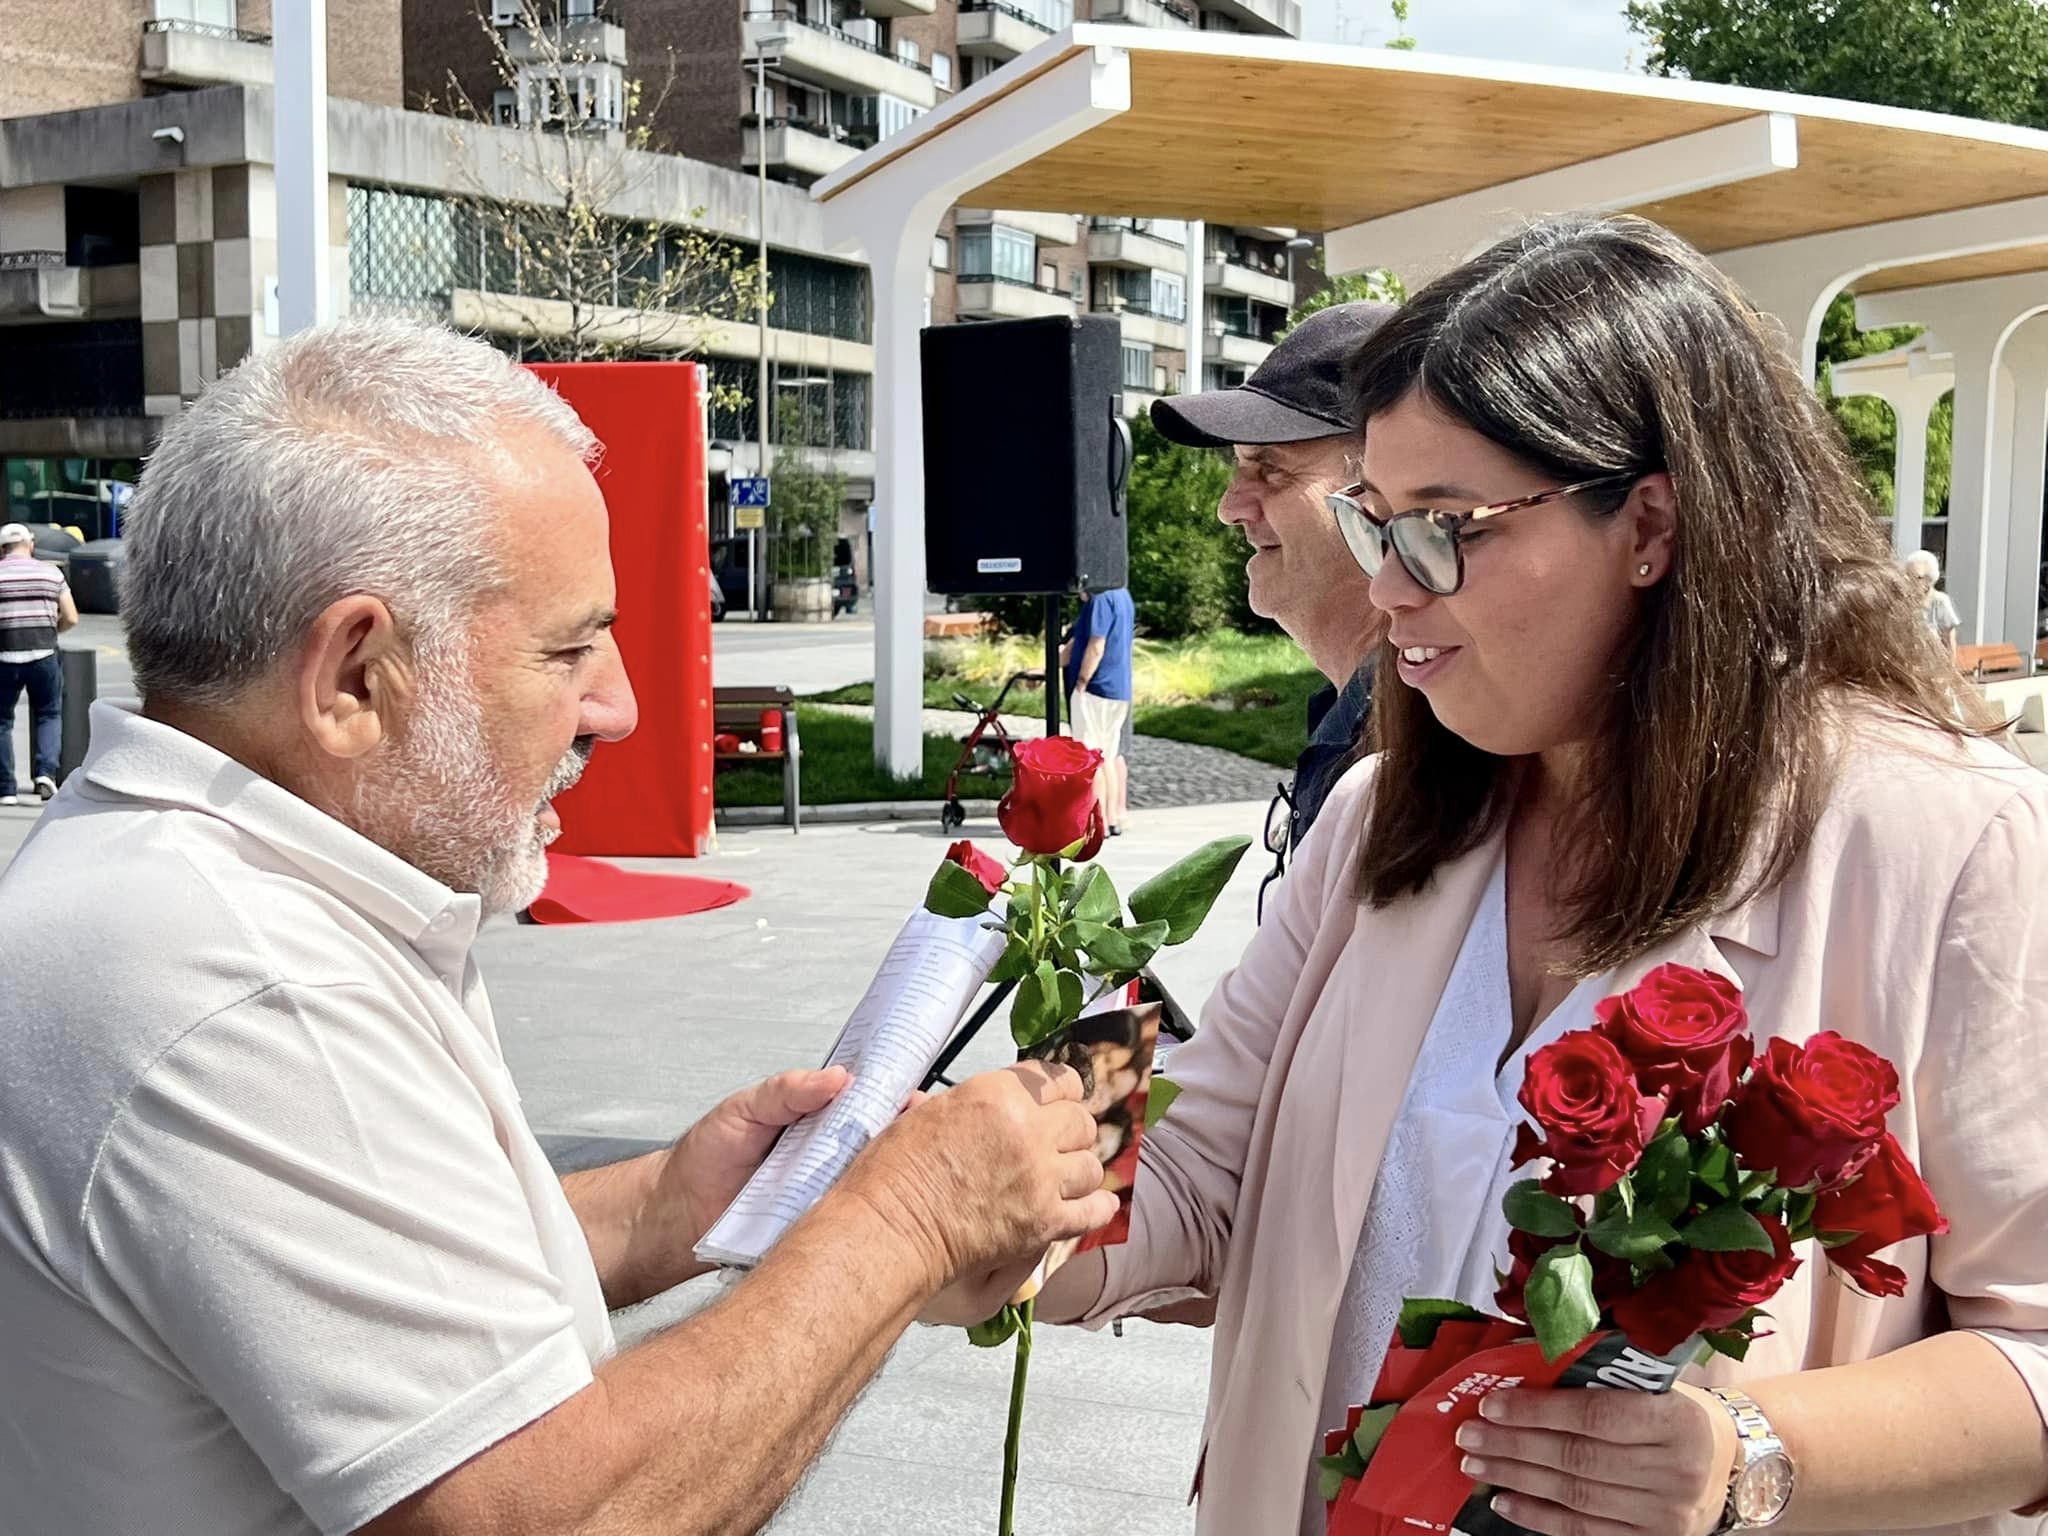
x=172, y=135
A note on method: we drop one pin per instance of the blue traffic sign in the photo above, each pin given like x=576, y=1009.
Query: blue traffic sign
x=750, y=491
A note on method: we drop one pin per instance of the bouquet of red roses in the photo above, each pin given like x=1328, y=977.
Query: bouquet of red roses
x=1684, y=1167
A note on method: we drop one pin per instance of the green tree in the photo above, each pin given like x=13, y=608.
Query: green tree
x=1971, y=58
x=1378, y=283
x=1187, y=566
x=808, y=492
x=1401, y=38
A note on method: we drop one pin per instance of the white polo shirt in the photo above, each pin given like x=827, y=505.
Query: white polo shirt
x=277, y=1246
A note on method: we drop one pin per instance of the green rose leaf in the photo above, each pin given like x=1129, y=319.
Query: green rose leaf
x=1330, y=1476
x=1073, y=995
x=1035, y=1011
x=1662, y=1181
x=1372, y=1428
x=1560, y=1300
x=1532, y=1209
x=1636, y=1238
x=1159, y=1099
x=955, y=893
x=1121, y=949
x=1015, y=963
x=1734, y=1345
x=1421, y=1315
x=1726, y=1229
x=1717, y=1170
x=1097, y=901
x=1182, y=895
x=997, y=1330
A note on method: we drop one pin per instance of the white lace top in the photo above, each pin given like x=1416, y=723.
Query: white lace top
x=1434, y=1225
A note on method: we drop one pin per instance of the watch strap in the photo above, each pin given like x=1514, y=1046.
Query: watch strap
x=1754, y=1439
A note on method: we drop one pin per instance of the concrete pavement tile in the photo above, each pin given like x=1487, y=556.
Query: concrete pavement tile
x=849, y=1494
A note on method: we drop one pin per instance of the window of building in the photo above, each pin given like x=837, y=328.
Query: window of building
x=906, y=50
x=893, y=114
x=942, y=253
x=505, y=107
x=1079, y=288
x=980, y=68
x=579, y=9
x=1169, y=296
x=997, y=251
x=1158, y=378
x=212, y=13
x=942, y=71
x=504, y=13
x=1137, y=366
x=1048, y=277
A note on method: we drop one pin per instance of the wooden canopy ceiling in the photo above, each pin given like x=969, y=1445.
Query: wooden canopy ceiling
x=1262, y=132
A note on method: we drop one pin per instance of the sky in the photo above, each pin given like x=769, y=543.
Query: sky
x=1588, y=34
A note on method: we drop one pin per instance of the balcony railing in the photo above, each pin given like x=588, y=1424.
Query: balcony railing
x=1008, y=10
x=1133, y=307
x=30, y=261
x=204, y=29
x=796, y=120
x=1136, y=227
x=1010, y=282
x=780, y=13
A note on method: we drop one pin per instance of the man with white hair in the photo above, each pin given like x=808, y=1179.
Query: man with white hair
x=1937, y=609
x=278, y=1250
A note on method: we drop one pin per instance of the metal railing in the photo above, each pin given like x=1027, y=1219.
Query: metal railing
x=1133, y=307
x=781, y=13
x=30, y=261
x=1020, y=14
x=798, y=121
x=1136, y=227
x=1011, y=282
x=203, y=29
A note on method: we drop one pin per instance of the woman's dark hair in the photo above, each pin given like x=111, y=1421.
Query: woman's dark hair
x=1591, y=345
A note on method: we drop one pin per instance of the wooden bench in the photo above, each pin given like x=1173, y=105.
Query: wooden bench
x=737, y=712
x=949, y=626
x=1981, y=662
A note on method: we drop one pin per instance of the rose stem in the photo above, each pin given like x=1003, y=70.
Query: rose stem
x=1013, y=1440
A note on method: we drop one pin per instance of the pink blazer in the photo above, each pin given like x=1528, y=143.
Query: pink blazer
x=1916, y=922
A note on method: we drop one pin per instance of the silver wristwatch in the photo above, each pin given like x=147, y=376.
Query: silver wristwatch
x=1760, y=1483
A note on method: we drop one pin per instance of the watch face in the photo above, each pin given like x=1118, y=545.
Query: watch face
x=1764, y=1489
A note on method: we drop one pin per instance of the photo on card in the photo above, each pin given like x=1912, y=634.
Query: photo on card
x=1112, y=1051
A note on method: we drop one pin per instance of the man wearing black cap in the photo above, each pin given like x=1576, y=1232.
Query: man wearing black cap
x=1290, y=427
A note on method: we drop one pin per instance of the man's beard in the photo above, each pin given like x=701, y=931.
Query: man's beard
x=440, y=801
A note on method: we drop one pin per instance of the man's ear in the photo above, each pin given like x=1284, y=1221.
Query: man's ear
x=356, y=681
x=1652, y=511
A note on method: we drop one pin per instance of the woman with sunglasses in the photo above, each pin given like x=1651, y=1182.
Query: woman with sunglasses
x=1666, y=699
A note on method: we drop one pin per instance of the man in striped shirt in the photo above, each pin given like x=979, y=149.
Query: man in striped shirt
x=35, y=608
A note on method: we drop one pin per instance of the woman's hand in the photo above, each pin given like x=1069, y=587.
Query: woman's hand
x=1602, y=1462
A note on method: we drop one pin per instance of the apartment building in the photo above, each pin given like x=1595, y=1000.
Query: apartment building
x=138, y=232
x=806, y=85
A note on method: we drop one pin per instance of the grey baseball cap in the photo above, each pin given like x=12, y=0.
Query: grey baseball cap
x=1296, y=396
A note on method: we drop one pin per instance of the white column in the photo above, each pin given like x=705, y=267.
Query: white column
x=2027, y=357
x=1910, y=411
x=1797, y=297
x=897, y=274
x=1198, y=305
x=299, y=57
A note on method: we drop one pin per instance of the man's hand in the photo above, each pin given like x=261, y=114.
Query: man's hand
x=983, y=1178
x=712, y=1161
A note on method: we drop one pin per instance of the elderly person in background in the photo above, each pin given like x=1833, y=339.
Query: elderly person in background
x=35, y=608
x=1937, y=611
x=278, y=1250
x=1290, y=429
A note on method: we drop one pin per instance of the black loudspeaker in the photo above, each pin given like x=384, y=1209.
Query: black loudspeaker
x=1026, y=455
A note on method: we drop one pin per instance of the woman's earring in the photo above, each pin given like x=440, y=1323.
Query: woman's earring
x=1643, y=569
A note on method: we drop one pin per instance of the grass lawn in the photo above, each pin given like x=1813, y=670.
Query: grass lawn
x=1245, y=693
x=839, y=767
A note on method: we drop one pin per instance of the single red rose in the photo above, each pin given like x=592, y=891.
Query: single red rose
x=1098, y=833
x=1705, y=1291
x=1888, y=1203
x=984, y=867
x=1685, y=1033
x=1051, y=804
x=1524, y=1249
x=1595, y=1121
x=1814, y=1112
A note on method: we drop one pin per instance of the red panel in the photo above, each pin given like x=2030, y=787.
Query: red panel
x=650, y=794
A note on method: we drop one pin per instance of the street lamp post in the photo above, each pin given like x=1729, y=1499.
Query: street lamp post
x=760, y=286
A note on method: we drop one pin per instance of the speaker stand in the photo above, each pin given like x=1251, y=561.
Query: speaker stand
x=1054, y=680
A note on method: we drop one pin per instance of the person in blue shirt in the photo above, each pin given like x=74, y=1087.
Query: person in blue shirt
x=1289, y=426
x=1097, y=662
